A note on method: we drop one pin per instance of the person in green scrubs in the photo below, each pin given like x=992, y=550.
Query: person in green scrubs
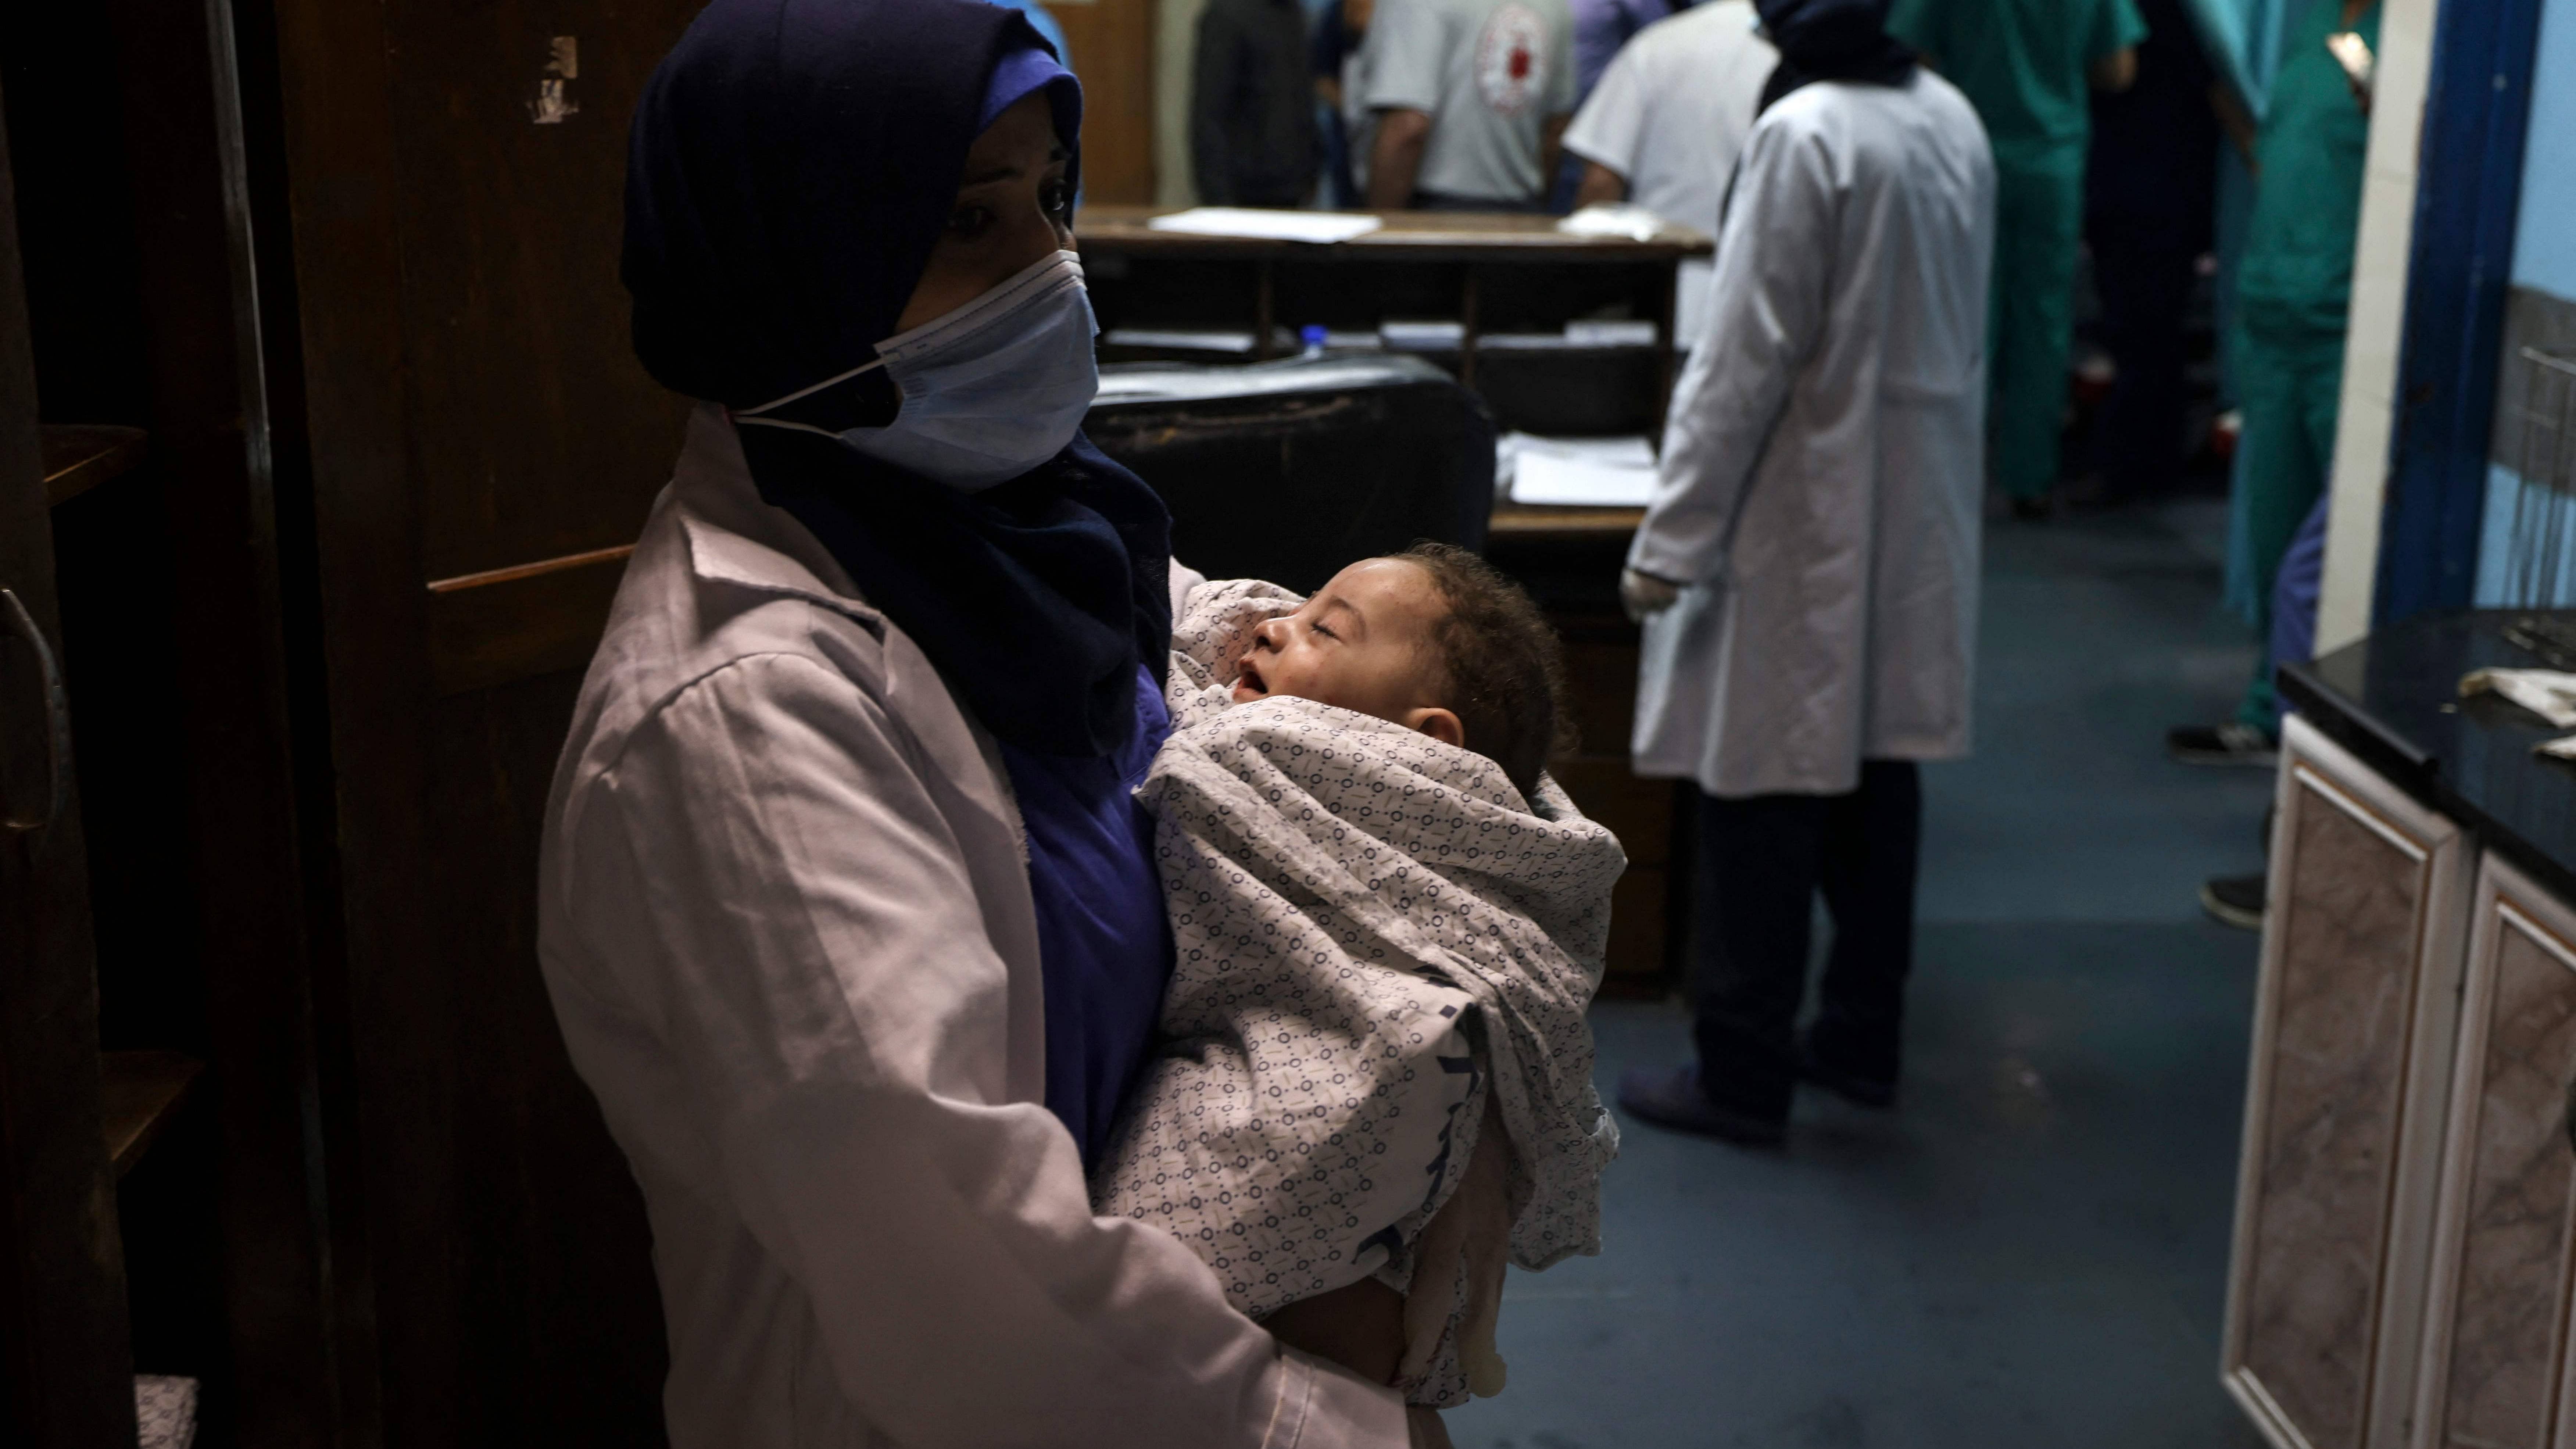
x=2026, y=65
x=2292, y=291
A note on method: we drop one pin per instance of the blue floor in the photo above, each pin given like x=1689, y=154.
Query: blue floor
x=2031, y=1251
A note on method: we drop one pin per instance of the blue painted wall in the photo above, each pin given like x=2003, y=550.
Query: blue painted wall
x=2544, y=238
x=2544, y=257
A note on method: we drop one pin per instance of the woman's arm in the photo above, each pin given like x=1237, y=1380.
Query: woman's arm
x=769, y=878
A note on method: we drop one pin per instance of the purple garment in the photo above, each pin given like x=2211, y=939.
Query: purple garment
x=1104, y=942
x=2296, y=589
x=1600, y=28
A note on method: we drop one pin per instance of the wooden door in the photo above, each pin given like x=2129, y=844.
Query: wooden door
x=2362, y=950
x=1113, y=54
x=66, y=1371
x=481, y=448
x=2495, y=1364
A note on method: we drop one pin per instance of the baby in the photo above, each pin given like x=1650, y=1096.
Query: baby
x=1388, y=923
x=1431, y=639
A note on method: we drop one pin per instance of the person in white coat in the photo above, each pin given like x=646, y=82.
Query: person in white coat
x=846, y=911
x=1807, y=570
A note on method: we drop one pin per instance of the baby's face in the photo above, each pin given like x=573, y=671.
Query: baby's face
x=1363, y=642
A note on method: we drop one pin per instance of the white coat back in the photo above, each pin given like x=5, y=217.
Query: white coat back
x=1823, y=466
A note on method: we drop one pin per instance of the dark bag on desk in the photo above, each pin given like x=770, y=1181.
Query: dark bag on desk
x=1289, y=470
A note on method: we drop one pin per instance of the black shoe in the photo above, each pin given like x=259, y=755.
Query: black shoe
x=1852, y=1087
x=1671, y=1097
x=2227, y=744
x=2091, y=491
x=2234, y=900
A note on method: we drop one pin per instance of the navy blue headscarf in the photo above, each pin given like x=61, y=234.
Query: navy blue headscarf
x=1838, y=40
x=792, y=165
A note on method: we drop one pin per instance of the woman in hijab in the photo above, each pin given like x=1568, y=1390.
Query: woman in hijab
x=1807, y=569
x=847, y=915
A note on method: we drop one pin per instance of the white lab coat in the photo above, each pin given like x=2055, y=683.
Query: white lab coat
x=786, y=925
x=1822, y=468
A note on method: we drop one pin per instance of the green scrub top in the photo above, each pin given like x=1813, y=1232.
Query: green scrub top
x=2297, y=273
x=2023, y=64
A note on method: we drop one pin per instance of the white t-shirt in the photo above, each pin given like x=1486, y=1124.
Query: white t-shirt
x=1359, y=123
x=1670, y=114
x=1489, y=73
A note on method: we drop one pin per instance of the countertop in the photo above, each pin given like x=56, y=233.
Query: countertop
x=2394, y=700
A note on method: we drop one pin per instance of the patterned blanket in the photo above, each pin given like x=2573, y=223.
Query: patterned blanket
x=1374, y=931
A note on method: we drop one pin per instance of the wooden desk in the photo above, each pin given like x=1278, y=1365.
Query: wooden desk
x=1569, y=558
x=1489, y=272
x=1571, y=525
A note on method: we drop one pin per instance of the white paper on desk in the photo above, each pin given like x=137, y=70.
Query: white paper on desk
x=1631, y=451
x=1260, y=225
x=2548, y=693
x=1581, y=472
x=1433, y=336
x=1614, y=218
x=1177, y=340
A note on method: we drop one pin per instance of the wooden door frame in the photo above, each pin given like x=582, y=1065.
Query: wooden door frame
x=66, y=1361
x=319, y=181
x=226, y=389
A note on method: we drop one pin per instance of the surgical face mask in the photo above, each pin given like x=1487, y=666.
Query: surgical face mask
x=991, y=389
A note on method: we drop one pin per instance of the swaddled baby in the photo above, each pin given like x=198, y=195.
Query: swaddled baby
x=1375, y=1084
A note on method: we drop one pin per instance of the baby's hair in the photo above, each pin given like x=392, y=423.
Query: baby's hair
x=1506, y=670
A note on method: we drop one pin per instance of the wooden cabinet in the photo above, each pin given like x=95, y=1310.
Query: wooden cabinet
x=357, y=278
x=2496, y=1363
x=65, y=1362
x=2405, y=1259
x=2353, y=1036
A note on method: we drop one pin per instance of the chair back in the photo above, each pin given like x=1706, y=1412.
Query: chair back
x=1289, y=470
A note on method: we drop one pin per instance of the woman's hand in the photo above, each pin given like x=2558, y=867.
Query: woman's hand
x=1427, y=1430
x=1645, y=595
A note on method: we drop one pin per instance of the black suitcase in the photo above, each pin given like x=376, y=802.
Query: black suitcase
x=1288, y=470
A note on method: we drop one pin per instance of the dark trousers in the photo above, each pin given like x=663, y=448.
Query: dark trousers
x=1762, y=860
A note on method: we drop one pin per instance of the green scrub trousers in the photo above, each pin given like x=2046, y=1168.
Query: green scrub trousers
x=2039, y=223
x=2289, y=382
x=2293, y=290
x=2024, y=65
